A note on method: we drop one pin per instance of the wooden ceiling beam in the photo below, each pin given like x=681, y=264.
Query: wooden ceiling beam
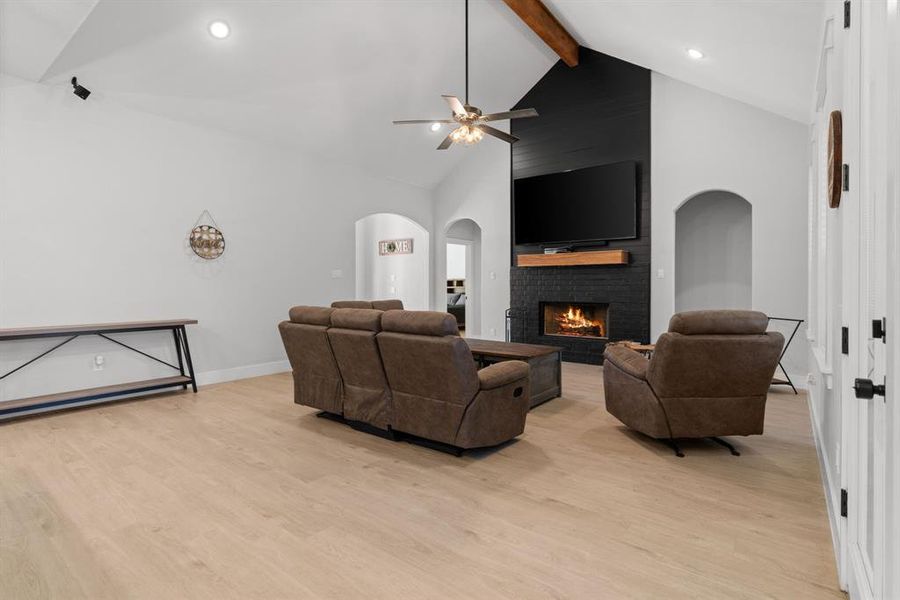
x=539, y=18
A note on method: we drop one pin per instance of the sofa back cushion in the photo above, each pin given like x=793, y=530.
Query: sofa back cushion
x=431, y=372
x=367, y=396
x=392, y=304
x=317, y=380
x=351, y=304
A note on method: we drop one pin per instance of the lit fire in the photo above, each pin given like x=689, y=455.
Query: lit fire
x=573, y=322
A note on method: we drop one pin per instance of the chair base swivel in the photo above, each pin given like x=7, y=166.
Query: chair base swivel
x=722, y=442
x=674, y=446
x=671, y=443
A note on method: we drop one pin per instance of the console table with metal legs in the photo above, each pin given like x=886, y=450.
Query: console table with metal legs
x=59, y=400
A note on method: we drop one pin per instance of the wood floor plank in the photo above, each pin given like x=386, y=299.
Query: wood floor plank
x=236, y=492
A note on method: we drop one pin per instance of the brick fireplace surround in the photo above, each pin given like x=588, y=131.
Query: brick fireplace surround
x=594, y=114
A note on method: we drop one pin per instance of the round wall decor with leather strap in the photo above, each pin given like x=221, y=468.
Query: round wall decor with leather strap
x=835, y=159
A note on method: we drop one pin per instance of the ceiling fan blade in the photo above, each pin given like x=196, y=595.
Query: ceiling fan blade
x=455, y=105
x=423, y=121
x=448, y=141
x=510, y=139
x=511, y=114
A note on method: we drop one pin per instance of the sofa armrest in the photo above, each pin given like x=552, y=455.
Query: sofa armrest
x=627, y=360
x=502, y=373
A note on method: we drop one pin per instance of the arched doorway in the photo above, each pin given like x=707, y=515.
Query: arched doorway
x=713, y=252
x=402, y=275
x=462, y=270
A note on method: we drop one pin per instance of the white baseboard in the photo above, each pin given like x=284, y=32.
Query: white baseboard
x=801, y=380
x=830, y=483
x=209, y=377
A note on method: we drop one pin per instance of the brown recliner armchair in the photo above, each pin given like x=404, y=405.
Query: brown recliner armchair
x=317, y=380
x=709, y=377
x=438, y=394
x=367, y=396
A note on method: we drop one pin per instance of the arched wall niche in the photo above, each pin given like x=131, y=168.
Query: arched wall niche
x=403, y=276
x=714, y=252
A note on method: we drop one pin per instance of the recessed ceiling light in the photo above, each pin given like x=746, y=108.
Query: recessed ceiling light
x=435, y=126
x=219, y=29
x=694, y=53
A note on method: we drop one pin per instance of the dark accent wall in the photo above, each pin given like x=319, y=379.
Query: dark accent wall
x=593, y=114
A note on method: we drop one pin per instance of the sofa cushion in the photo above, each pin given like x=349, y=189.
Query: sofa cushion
x=311, y=315
x=351, y=304
x=420, y=322
x=391, y=304
x=719, y=322
x=367, y=319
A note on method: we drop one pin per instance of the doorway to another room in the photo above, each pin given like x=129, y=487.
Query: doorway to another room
x=463, y=275
x=456, y=283
x=392, y=260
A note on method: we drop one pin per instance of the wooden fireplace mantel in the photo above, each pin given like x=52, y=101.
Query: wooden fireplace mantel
x=573, y=259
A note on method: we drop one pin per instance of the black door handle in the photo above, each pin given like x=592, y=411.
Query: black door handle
x=867, y=390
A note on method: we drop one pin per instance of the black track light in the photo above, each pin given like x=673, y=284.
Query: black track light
x=80, y=91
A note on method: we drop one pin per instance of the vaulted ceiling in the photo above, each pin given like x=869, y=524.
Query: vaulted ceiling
x=328, y=77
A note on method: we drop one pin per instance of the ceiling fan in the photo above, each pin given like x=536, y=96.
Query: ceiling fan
x=471, y=121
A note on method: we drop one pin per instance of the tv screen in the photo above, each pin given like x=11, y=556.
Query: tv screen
x=586, y=205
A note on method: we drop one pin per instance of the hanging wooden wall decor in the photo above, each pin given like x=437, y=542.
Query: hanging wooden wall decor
x=835, y=159
x=206, y=239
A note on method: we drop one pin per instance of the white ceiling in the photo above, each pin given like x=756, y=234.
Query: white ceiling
x=762, y=52
x=329, y=76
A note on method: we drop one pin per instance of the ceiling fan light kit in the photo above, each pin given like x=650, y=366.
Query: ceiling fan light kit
x=471, y=121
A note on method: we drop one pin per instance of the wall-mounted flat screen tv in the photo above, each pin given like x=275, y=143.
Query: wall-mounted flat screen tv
x=594, y=204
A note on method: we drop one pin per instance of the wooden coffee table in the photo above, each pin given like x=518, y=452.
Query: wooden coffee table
x=545, y=363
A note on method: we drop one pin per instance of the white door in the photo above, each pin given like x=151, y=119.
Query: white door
x=867, y=492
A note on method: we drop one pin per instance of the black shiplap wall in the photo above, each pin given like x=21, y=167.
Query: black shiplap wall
x=593, y=114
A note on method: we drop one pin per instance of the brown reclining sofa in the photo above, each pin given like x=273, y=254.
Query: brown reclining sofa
x=404, y=372
x=709, y=377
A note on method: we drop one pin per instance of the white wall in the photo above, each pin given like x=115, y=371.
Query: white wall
x=713, y=252
x=403, y=276
x=95, y=204
x=456, y=261
x=702, y=141
x=478, y=189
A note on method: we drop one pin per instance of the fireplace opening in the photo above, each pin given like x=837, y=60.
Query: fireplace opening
x=575, y=319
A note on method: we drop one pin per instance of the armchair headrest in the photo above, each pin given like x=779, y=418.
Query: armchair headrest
x=719, y=322
x=421, y=322
x=311, y=315
x=357, y=318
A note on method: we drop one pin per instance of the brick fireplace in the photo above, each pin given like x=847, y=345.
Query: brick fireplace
x=595, y=114
x=574, y=319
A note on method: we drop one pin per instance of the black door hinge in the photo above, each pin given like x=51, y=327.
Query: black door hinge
x=843, y=502
x=879, y=329
x=845, y=340
x=846, y=14
x=845, y=177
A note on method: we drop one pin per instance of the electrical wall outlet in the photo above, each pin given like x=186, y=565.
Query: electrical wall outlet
x=99, y=362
